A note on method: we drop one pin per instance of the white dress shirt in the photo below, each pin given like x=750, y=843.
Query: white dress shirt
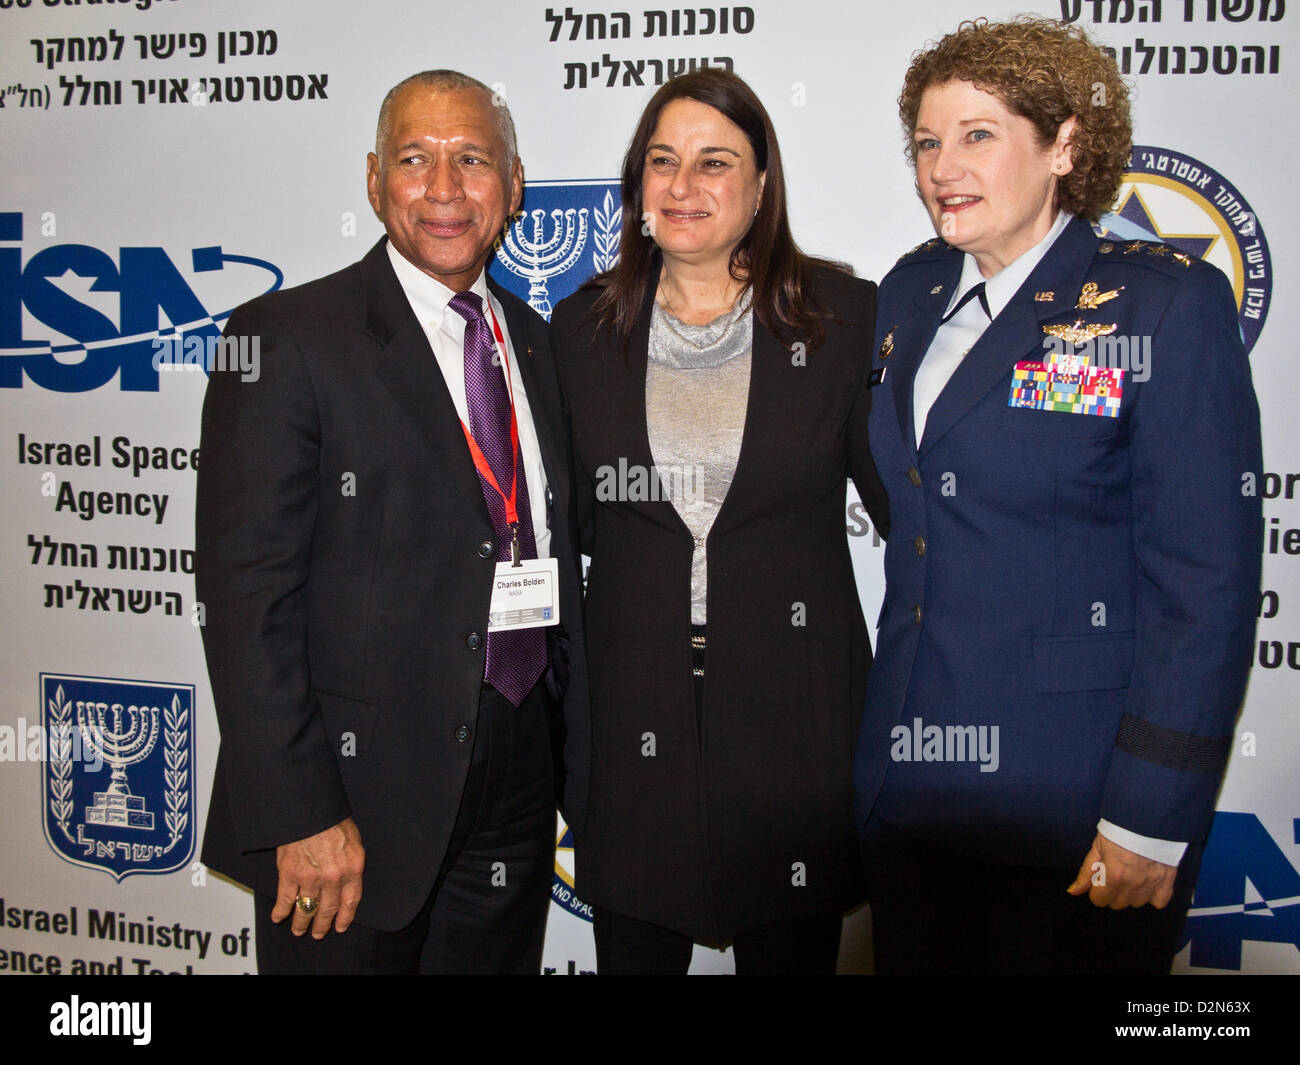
x=446, y=332
x=952, y=341
x=958, y=335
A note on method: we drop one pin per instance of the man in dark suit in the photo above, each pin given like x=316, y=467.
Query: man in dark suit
x=366, y=507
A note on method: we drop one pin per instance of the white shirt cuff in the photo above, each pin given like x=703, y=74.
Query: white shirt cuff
x=1165, y=851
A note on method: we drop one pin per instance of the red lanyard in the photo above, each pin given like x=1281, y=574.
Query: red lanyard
x=476, y=453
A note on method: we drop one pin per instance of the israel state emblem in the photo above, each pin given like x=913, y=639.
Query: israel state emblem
x=118, y=780
x=567, y=232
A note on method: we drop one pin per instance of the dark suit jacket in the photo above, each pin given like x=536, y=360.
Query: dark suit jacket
x=339, y=520
x=1087, y=585
x=709, y=835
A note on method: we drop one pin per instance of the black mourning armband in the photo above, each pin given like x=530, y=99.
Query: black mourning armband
x=1171, y=748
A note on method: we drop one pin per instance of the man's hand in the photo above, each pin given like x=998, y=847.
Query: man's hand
x=1120, y=878
x=326, y=867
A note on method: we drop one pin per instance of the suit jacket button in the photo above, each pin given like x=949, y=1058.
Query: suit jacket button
x=462, y=733
x=914, y=475
x=916, y=614
x=487, y=549
x=919, y=543
x=473, y=641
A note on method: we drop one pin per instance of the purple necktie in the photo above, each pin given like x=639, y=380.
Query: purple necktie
x=515, y=659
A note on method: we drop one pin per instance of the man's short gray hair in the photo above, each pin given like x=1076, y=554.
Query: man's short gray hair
x=447, y=81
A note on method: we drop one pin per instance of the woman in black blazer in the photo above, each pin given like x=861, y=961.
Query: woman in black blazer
x=717, y=381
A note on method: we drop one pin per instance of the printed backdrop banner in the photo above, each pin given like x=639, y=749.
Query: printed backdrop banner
x=166, y=160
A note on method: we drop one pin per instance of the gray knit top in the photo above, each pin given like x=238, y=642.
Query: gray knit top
x=696, y=392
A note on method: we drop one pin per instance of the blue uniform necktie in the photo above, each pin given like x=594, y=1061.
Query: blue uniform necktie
x=975, y=291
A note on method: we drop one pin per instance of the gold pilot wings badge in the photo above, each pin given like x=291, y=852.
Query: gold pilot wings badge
x=1081, y=332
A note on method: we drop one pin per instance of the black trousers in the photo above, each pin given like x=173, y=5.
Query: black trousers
x=937, y=912
x=487, y=910
x=627, y=946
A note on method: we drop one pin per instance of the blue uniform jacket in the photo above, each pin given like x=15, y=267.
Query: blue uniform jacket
x=1081, y=587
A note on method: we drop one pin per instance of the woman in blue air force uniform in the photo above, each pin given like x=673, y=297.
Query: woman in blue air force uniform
x=1073, y=568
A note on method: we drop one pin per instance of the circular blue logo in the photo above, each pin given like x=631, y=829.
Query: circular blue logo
x=1170, y=197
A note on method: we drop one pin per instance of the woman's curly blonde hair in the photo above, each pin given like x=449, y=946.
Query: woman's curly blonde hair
x=1045, y=72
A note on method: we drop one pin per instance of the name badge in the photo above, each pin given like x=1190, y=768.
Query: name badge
x=525, y=596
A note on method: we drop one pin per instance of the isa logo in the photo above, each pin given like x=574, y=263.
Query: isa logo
x=562, y=893
x=1170, y=197
x=567, y=232
x=1248, y=890
x=98, y=319
x=118, y=785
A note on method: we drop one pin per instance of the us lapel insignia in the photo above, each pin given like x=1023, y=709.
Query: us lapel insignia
x=1080, y=332
x=1091, y=297
x=1044, y=297
x=530, y=351
x=1180, y=257
x=936, y=290
x=887, y=345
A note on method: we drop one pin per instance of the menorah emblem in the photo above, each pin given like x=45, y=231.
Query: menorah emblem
x=537, y=258
x=122, y=737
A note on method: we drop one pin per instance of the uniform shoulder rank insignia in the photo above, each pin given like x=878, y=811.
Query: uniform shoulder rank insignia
x=1182, y=257
x=1081, y=332
x=1091, y=298
x=925, y=245
x=1158, y=249
x=887, y=345
x=936, y=290
x=1137, y=245
x=1045, y=297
